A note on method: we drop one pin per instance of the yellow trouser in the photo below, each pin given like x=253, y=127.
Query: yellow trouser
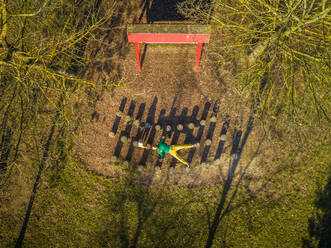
x=175, y=148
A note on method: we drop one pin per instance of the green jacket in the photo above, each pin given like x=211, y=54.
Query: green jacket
x=162, y=148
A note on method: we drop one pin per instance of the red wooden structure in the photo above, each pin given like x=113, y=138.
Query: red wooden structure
x=168, y=33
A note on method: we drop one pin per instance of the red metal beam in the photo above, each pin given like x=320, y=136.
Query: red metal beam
x=174, y=38
x=199, y=50
x=168, y=38
x=137, y=45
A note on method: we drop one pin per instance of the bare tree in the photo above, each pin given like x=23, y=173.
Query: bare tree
x=287, y=39
x=42, y=60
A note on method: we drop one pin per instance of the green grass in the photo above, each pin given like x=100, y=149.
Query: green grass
x=66, y=207
x=74, y=208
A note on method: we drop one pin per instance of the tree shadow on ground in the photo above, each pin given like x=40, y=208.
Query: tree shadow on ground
x=320, y=226
x=131, y=204
x=43, y=160
x=89, y=15
x=145, y=216
x=105, y=46
x=160, y=10
x=225, y=205
x=5, y=148
x=139, y=215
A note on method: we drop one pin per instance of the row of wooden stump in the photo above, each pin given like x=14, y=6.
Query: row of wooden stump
x=125, y=140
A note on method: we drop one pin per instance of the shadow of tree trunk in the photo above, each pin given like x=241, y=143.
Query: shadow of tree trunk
x=5, y=148
x=221, y=210
x=236, y=155
x=144, y=212
x=133, y=196
x=35, y=186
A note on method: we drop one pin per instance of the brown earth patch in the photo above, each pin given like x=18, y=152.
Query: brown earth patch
x=169, y=92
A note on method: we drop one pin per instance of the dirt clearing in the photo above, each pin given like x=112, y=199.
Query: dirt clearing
x=166, y=94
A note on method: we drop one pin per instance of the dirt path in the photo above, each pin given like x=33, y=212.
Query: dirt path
x=166, y=92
